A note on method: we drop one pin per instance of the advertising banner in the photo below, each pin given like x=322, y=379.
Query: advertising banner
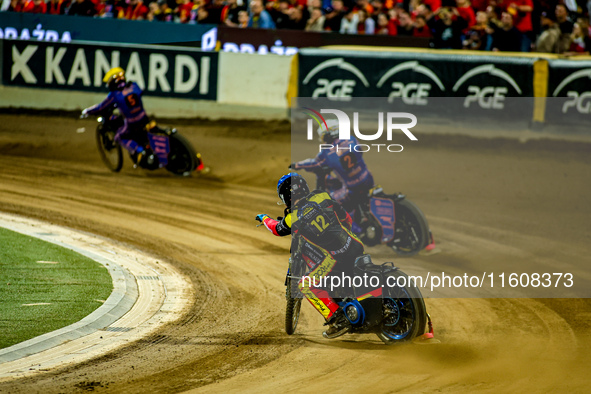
x=488, y=84
x=569, y=85
x=159, y=71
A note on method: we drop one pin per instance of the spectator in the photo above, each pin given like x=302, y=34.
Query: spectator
x=105, y=9
x=384, y=26
x=280, y=14
x=243, y=19
x=334, y=15
x=57, y=7
x=366, y=25
x=564, y=22
x=186, y=10
x=521, y=11
x=420, y=27
x=231, y=11
x=213, y=12
x=297, y=19
x=506, y=37
x=203, y=14
x=165, y=13
x=16, y=6
x=316, y=21
x=447, y=31
x=349, y=23
x=493, y=16
x=580, y=42
x=135, y=10
x=259, y=17
x=82, y=8
x=153, y=10
x=378, y=8
x=473, y=41
x=35, y=7
x=425, y=11
x=467, y=12
x=550, y=39
x=433, y=5
x=479, y=5
x=405, y=25
x=479, y=37
x=364, y=5
x=313, y=4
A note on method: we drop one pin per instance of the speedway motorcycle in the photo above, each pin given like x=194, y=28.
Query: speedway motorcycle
x=389, y=219
x=170, y=149
x=395, y=313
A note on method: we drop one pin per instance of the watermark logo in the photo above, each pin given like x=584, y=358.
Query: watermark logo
x=391, y=120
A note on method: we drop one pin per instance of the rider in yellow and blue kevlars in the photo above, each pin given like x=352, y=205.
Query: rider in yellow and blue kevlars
x=126, y=97
x=322, y=237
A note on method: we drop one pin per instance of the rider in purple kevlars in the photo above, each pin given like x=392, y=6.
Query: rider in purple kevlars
x=126, y=96
x=346, y=162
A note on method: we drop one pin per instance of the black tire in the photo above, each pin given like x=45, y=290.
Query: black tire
x=110, y=151
x=412, y=230
x=408, y=318
x=292, y=311
x=182, y=159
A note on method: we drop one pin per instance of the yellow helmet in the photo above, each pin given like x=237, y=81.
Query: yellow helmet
x=114, y=78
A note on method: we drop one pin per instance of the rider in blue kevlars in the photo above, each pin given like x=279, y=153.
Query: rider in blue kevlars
x=346, y=162
x=126, y=96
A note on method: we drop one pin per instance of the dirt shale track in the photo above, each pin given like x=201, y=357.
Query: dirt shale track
x=486, y=201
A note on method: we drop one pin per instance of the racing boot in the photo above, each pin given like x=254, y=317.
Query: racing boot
x=144, y=158
x=137, y=156
x=337, y=325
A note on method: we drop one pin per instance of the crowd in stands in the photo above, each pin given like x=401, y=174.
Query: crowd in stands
x=554, y=26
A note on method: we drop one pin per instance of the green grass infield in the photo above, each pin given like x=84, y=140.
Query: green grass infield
x=44, y=287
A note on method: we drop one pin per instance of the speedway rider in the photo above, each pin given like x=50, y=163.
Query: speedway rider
x=126, y=96
x=322, y=237
x=345, y=161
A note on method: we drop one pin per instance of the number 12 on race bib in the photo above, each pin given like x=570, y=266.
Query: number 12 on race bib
x=320, y=223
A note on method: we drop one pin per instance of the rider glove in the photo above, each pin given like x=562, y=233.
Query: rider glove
x=261, y=217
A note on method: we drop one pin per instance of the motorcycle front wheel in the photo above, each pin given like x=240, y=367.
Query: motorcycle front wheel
x=292, y=311
x=109, y=150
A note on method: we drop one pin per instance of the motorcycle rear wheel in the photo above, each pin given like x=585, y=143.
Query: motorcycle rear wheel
x=405, y=314
x=182, y=159
x=109, y=150
x=412, y=229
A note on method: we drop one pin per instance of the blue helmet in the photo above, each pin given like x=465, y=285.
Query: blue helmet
x=292, y=185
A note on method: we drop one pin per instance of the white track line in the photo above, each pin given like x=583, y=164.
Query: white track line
x=147, y=294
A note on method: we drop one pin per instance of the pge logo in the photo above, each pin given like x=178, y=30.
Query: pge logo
x=413, y=93
x=344, y=127
x=580, y=101
x=338, y=88
x=488, y=97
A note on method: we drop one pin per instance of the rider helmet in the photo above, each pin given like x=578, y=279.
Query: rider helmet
x=328, y=136
x=290, y=186
x=115, y=79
